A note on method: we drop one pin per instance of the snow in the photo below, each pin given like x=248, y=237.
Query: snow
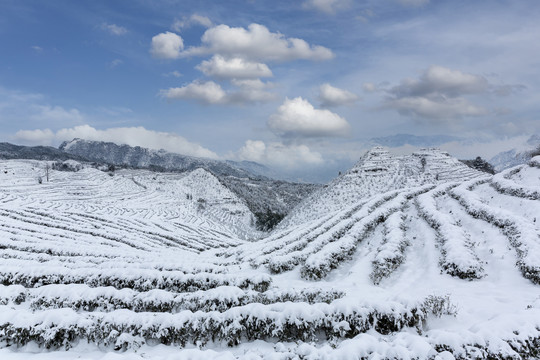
x=130, y=267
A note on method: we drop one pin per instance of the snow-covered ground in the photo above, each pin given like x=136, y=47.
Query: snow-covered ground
x=436, y=264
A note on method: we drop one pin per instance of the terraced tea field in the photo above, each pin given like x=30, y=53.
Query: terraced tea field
x=168, y=266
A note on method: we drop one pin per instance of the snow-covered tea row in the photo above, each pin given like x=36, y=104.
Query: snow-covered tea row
x=521, y=233
x=81, y=297
x=458, y=257
x=281, y=321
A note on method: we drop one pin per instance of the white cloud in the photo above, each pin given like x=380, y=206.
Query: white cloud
x=441, y=80
x=438, y=94
x=37, y=49
x=114, y=29
x=166, y=45
x=443, y=108
x=205, y=92
x=133, y=136
x=326, y=6
x=252, y=84
x=298, y=118
x=237, y=68
x=256, y=43
x=201, y=20
x=194, y=19
x=56, y=114
x=279, y=155
x=211, y=93
x=333, y=96
x=36, y=137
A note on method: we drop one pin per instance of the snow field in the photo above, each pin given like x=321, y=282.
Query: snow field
x=131, y=263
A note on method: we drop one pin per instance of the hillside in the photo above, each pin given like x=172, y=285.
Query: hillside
x=376, y=172
x=135, y=264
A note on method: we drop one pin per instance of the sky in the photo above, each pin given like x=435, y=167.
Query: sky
x=300, y=86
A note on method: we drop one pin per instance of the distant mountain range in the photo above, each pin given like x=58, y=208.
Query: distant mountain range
x=11, y=151
x=138, y=157
x=517, y=156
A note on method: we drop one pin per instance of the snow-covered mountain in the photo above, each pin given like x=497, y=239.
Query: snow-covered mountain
x=11, y=151
x=433, y=261
x=517, y=156
x=377, y=172
x=138, y=157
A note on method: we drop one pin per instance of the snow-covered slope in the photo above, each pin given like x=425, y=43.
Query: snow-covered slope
x=432, y=270
x=248, y=180
x=376, y=172
x=195, y=198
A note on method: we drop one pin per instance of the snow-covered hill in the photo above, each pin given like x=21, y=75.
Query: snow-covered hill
x=439, y=267
x=248, y=180
x=376, y=172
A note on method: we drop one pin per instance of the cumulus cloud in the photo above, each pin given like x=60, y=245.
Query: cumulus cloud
x=166, y=45
x=207, y=92
x=36, y=137
x=439, y=93
x=298, y=118
x=114, y=29
x=211, y=93
x=279, y=155
x=133, y=136
x=441, y=80
x=194, y=19
x=237, y=68
x=333, y=96
x=326, y=6
x=442, y=108
x=256, y=43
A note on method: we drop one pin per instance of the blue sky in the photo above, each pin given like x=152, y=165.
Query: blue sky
x=299, y=86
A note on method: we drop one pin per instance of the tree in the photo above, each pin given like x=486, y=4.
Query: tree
x=480, y=164
x=268, y=220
